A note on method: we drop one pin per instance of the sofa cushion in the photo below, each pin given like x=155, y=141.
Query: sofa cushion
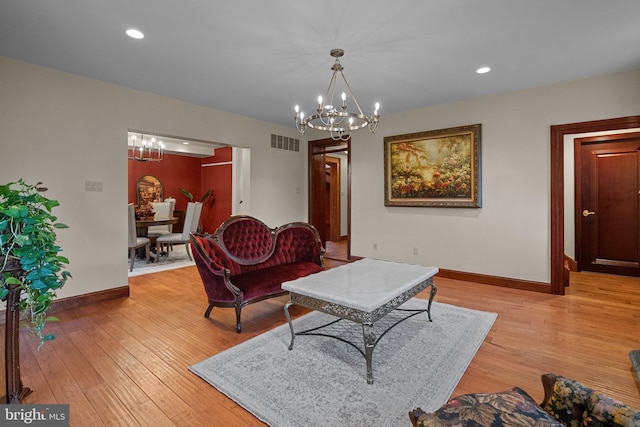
x=513, y=408
x=258, y=283
x=603, y=411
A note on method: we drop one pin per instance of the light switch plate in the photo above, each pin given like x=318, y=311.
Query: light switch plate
x=93, y=186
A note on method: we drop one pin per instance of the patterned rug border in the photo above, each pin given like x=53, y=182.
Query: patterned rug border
x=262, y=366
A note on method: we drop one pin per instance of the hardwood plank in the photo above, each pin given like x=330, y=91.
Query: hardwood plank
x=125, y=361
x=103, y=397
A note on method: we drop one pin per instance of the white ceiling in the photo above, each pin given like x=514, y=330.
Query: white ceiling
x=259, y=58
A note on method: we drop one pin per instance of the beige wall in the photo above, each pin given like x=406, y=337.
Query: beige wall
x=509, y=235
x=64, y=129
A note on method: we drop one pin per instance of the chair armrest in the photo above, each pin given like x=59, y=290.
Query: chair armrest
x=565, y=399
x=212, y=270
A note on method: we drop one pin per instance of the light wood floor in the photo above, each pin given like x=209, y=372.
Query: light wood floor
x=124, y=362
x=336, y=250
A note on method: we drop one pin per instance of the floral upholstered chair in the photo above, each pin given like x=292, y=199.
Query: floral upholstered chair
x=566, y=403
x=575, y=405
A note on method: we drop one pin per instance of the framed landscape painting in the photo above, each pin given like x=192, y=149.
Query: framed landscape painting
x=437, y=168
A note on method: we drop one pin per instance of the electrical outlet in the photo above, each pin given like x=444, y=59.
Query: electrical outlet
x=415, y=250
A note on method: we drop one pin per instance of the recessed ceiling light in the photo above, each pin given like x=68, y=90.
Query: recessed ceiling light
x=135, y=34
x=483, y=70
x=185, y=143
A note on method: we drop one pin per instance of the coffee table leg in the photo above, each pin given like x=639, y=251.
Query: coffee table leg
x=434, y=289
x=286, y=313
x=369, y=344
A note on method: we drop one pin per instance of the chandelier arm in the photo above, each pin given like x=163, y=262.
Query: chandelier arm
x=147, y=151
x=329, y=94
x=316, y=122
x=355, y=101
x=330, y=90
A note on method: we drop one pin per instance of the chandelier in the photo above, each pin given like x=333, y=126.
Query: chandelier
x=145, y=148
x=338, y=121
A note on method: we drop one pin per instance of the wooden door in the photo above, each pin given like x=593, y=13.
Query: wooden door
x=317, y=195
x=607, y=206
x=324, y=189
x=333, y=198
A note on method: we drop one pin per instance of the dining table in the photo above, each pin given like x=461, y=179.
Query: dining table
x=142, y=225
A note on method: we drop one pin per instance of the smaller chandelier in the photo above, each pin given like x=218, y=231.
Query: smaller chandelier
x=338, y=121
x=145, y=149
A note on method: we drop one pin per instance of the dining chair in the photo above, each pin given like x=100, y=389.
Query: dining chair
x=191, y=221
x=162, y=210
x=172, y=209
x=136, y=242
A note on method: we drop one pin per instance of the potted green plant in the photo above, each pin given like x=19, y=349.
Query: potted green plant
x=31, y=269
x=207, y=197
x=207, y=200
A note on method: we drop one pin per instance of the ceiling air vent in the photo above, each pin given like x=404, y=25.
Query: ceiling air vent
x=285, y=143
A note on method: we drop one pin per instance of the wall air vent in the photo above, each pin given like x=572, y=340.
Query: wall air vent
x=285, y=143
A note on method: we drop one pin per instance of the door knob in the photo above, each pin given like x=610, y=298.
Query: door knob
x=586, y=213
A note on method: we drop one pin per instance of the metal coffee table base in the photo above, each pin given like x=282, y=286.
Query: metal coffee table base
x=366, y=319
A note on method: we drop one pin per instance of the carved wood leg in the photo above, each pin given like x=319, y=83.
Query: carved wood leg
x=14, y=387
x=208, y=312
x=238, y=309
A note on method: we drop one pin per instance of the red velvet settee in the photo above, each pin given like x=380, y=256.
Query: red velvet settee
x=245, y=261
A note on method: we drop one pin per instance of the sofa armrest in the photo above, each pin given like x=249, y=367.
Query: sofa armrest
x=216, y=276
x=414, y=415
x=548, y=381
x=565, y=399
x=573, y=404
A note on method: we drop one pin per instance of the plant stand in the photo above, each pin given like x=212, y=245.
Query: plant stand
x=15, y=390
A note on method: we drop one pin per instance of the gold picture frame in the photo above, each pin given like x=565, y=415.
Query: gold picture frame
x=148, y=190
x=437, y=168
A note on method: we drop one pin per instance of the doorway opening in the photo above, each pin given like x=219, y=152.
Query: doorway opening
x=559, y=274
x=607, y=184
x=330, y=195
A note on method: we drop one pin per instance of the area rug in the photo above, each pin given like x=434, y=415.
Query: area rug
x=322, y=381
x=177, y=258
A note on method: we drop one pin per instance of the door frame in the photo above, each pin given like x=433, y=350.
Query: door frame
x=324, y=143
x=557, y=134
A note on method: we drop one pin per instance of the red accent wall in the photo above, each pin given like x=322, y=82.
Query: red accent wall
x=219, y=178
x=176, y=171
x=173, y=172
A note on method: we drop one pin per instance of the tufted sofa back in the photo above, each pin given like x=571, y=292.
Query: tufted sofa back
x=243, y=244
x=245, y=239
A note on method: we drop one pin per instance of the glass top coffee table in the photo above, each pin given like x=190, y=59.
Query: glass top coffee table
x=363, y=292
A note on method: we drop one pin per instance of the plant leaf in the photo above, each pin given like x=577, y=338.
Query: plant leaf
x=185, y=193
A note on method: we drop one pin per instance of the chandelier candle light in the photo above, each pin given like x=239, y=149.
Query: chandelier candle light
x=338, y=121
x=145, y=150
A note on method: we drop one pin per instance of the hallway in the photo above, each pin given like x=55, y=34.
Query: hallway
x=336, y=250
